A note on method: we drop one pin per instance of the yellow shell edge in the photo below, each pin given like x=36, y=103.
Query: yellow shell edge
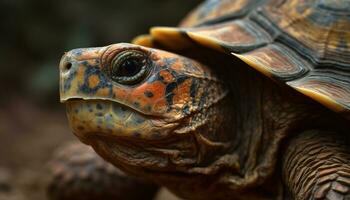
x=254, y=64
x=143, y=40
x=321, y=98
x=170, y=37
x=205, y=41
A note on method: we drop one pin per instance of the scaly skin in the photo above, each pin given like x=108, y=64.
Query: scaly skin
x=78, y=173
x=317, y=166
x=183, y=128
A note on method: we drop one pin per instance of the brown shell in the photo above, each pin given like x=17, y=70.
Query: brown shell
x=212, y=11
x=302, y=43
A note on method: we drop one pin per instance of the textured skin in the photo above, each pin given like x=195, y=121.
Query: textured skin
x=215, y=128
x=78, y=173
x=304, y=44
x=177, y=88
x=317, y=166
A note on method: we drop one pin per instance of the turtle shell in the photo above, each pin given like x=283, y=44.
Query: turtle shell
x=302, y=43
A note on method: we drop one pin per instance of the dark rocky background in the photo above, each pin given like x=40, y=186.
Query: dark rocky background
x=34, y=34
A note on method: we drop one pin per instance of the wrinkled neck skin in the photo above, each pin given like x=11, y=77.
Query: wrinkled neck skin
x=227, y=150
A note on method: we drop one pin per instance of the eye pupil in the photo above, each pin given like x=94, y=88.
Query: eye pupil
x=129, y=67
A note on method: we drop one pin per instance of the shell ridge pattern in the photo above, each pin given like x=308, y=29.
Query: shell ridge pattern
x=255, y=36
x=311, y=14
x=207, y=13
x=252, y=28
x=277, y=36
x=281, y=62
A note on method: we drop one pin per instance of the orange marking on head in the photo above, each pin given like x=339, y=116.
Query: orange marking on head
x=157, y=89
x=121, y=93
x=90, y=54
x=182, y=94
x=103, y=92
x=167, y=77
x=80, y=73
x=93, y=81
x=157, y=102
x=178, y=65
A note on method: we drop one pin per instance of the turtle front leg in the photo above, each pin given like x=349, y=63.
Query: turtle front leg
x=78, y=173
x=316, y=165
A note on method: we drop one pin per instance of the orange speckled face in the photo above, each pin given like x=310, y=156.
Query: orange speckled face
x=131, y=94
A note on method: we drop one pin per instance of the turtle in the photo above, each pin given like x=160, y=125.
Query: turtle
x=245, y=99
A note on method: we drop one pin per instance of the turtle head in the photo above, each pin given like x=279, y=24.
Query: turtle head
x=142, y=109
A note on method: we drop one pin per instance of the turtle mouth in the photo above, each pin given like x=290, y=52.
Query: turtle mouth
x=128, y=138
x=103, y=101
x=115, y=121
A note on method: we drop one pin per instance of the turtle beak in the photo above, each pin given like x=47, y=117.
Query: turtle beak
x=68, y=70
x=71, y=69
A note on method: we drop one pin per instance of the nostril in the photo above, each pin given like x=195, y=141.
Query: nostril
x=67, y=66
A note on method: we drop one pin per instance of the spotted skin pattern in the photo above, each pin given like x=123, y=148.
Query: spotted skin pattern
x=175, y=88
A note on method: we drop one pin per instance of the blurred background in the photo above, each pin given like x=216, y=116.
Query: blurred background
x=34, y=35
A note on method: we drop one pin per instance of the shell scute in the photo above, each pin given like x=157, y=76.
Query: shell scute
x=247, y=36
x=332, y=92
x=278, y=61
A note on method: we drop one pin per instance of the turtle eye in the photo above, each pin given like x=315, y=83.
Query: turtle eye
x=129, y=67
